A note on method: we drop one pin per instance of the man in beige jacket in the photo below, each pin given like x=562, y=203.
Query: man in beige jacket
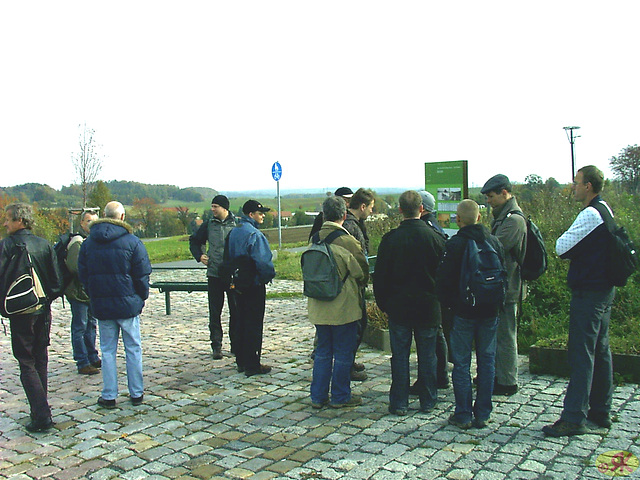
x=336, y=320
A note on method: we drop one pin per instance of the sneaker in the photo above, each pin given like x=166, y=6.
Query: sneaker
x=354, y=401
x=563, y=428
x=97, y=363
x=401, y=412
x=358, y=367
x=41, y=426
x=480, y=423
x=135, y=401
x=88, y=370
x=358, y=376
x=601, y=419
x=217, y=354
x=318, y=406
x=106, y=403
x=261, y=370
x=456, y=423
x=506, y=390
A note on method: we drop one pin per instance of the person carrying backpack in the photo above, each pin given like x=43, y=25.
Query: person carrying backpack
x=510, y=226
x=337, y=320
x=475, y=315
x=83, y=323
x=30, y=331
x=590, y=390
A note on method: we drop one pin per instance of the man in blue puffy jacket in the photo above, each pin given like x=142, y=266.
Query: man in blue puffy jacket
x=114, y=268
x=250, y=248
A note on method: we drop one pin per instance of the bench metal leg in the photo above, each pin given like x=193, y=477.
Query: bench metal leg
x=167, y=302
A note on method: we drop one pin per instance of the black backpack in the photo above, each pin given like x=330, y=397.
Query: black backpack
x=20, y=289
x=60, y=247
x=535, y=257
x=622, y=256
x=483, y=277
x=319, y=270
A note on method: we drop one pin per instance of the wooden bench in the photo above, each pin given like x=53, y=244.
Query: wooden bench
x=168, y=287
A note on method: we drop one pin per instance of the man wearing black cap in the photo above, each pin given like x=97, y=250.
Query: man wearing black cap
x=511, y=229
x=248, y=242
x=346, y=193
x=215, y=232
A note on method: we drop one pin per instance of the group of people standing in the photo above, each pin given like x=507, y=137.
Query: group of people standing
x=416, y=282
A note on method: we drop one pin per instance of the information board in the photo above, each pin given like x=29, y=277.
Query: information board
x=448, y=183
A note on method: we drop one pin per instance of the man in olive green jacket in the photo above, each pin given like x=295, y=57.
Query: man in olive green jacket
x=336, y=320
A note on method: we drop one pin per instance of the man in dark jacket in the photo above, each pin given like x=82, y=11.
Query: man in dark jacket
x=114, y=268
x=590, y=391
x=470, y=323
x=215, y=232
x=30, y=331
x=404, y=287
x=248, y=242
x=83, y=323
x=360, y=206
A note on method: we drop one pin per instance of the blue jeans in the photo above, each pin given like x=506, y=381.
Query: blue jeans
x=83, y=334
x=400, y=337
x=463, y=333
x=332, y=362
x=591, y=381
x=109, y=334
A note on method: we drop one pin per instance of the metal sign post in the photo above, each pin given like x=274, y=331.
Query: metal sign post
x=276, y=173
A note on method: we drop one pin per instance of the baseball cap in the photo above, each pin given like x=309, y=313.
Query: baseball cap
x=344, y=192
x=251, y=206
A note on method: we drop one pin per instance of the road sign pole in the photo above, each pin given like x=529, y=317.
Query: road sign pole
x=279, y=217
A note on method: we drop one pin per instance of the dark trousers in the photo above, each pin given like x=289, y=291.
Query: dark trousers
x=29, y=342
x=250, y=305
x=216, y=291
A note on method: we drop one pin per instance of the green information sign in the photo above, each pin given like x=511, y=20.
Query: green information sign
x=448, y=183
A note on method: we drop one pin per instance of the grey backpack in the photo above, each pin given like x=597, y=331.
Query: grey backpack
x=319, y=270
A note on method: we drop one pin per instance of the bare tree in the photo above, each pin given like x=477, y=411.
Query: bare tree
x=87, y=161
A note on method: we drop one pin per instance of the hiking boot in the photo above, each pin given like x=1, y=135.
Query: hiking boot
x=358, y=376
x=135, y=401
x=106, y=403
x=318, y=406
x=480, y=423
x=457, y=423
x=41, y=426
x=354, y=401
x=401, y=412
x=261, y=370
x=97, y=363
x=217, y=354
x=601, y=419
x=88, y=370
x=506, y=390
x=563, y=428
x=358, y=367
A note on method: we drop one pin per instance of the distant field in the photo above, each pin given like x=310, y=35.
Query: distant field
x=286, y=203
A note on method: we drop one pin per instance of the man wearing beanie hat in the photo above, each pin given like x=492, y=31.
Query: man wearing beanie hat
x=511, y=230
x=215, y=231
x=248, y=243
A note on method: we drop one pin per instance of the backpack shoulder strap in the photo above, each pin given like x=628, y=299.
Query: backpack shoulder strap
x=604, y=212
x=332, y=236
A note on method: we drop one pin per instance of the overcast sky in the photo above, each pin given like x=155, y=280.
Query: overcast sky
x=355, y=93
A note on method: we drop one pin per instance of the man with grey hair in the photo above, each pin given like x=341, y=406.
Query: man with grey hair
x=336, y=320
x=114, y=268
x=30, y=329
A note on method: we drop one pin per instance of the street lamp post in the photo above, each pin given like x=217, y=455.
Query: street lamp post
x=572, y=140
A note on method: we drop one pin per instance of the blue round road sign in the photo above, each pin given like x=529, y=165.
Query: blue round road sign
x=276, y=171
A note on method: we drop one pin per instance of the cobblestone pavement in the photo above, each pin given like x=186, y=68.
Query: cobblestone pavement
x=201, y=419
